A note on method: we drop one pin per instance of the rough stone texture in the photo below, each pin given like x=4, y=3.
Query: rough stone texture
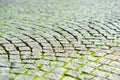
x=68, y=78
x=59, y=40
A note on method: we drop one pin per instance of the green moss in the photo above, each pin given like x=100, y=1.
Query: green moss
x=92, y=53
x=39, y=67
x=44, y=74
x=105, y=43
x=65, y=63
x=96, y=46
x=42, y=56
x=82, y=73
x=63, y=75
x=35, y=78
x=25, y=72
x=81, y=65
x=16, y=75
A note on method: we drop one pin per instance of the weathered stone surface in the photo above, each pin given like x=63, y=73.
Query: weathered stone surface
x=59, y=40
x=68, y=78
x=53, y=76
x=24, y=77
x=100, y=73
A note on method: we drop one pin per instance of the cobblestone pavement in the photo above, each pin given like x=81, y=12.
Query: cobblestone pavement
x=59, y=40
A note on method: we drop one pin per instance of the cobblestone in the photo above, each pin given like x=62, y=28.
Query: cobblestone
x=53, y=76
x=86, y=69
x=73, y=73
x=98, y=78
x=24, y=77
x=48, y=68
x=68, y=78
x=112, y=57
x=59, y=70
x=72, y=65
x=36, y=73
x=56, y=63
x=100, y=73
x=43, y=62
x=115, y=63
x=100, y=53
x=6, y=76
x=104, y=61
x=17, y=70
x=59, y=40
x=93, y=64
x=116, y=71
x=113, y=77
x=9, y=47
x=85, y=77
x=106, y=68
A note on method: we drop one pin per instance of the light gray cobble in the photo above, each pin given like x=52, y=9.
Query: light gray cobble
x=59, y=40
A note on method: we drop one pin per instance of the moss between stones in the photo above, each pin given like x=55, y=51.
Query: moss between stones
x=39, y=67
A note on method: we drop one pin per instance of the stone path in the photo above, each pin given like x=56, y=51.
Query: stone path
x=59, y=40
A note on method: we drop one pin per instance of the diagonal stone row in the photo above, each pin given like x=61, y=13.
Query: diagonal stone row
x=47, y=40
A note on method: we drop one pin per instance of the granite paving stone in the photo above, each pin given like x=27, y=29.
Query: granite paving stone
x=68, y=78
x=59, y=40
